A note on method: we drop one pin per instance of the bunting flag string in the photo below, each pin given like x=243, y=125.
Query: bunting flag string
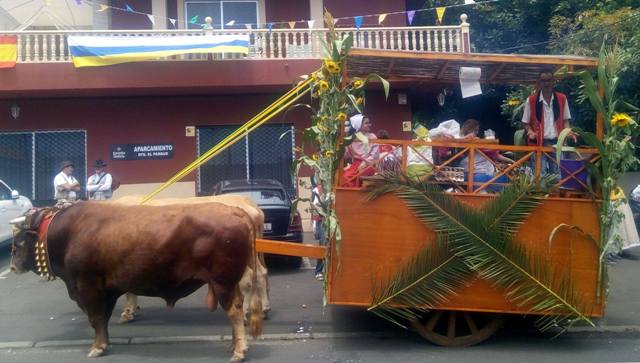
x=440, y=13
x=151, y=19
x=357, y=20
x=410, y=15
x=231, y=23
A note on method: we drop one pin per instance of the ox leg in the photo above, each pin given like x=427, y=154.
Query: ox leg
x=98, y=307
x=130, y=307
x=232, y=304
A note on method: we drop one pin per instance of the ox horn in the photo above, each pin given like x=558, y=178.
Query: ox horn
x=18, y=220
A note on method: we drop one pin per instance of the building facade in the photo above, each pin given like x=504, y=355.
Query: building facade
x=179, y=107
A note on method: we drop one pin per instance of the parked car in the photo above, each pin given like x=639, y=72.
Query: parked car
x=273, y=199
x=12, y=205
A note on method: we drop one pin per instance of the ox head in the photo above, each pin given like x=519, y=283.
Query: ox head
x=25, y=237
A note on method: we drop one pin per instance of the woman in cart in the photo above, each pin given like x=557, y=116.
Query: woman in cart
x=363, y=156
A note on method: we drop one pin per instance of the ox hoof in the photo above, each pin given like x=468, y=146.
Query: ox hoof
x=126, y=318
x=237, y=358
x=95, y=352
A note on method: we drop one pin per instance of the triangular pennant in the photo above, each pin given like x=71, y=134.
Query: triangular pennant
x=357, y=20
x=292, y=24
x=194, y=19
x=335, y=21
x=173, y=22
x=129, y=9
x=270, y=26
x=231, y=23
x=103, y=7
x=381, y=18
x=311, y=23
x=469, y=2
x=440, y=13
x=410, y=15
x=151, y=19
x=248, y=26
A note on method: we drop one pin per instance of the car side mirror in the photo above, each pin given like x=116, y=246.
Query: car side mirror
x=15, y=194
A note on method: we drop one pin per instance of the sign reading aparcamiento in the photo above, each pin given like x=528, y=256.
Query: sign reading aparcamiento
x=141, y=151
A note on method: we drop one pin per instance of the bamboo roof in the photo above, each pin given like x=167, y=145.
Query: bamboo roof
x=445, y=67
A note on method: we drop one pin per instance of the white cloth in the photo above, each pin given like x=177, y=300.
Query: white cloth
x=635, y=194
x=356, y=121
x=481, y=165
x=547, y=112
x=446, y=128
x=626, y=229
x=62, y=179
x=99, y=186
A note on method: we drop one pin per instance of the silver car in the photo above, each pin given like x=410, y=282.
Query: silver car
x=12, y=205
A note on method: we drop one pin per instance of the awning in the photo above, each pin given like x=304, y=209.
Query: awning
x=445, y=67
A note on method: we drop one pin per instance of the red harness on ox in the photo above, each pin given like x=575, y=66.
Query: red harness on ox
x=42, y=248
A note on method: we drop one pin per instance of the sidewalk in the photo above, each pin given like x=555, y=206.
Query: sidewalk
x=38, y=313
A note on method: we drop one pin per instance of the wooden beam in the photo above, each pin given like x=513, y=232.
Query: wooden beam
x=478, y=57
x=442, y=70
x=290, y=248
x=495, y=73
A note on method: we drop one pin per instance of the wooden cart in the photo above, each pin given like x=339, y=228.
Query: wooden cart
x=380, y=235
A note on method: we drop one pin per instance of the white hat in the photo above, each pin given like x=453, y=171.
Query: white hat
x=356, y=121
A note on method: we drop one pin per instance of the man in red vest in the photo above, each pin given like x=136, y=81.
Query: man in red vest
x=546, y=113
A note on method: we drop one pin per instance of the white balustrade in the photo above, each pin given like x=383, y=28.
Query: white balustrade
x=52, y=46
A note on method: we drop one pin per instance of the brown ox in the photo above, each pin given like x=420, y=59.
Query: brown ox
x=103, y=250
x=257, y=217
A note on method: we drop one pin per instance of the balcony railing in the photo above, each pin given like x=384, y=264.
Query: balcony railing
x=52, y=46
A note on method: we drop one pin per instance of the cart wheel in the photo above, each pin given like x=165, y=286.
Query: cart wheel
x=457, y=328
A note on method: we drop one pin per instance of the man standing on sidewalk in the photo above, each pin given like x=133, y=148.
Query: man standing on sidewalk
x=99, y=184
x=66, y=186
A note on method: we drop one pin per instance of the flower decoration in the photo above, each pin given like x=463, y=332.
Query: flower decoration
x=621, y=119
x=357, y=83
x=324, y=86
x=331, y=66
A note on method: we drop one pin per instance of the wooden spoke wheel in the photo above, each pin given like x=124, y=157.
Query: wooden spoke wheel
x=457, y=328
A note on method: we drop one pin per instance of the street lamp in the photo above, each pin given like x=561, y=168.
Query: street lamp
x=15, y=111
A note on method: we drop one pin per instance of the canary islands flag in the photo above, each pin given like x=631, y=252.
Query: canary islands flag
x=8, y=51
x=91, y=51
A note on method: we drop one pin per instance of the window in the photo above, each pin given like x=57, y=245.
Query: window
x=5, y=192
x=222, y=12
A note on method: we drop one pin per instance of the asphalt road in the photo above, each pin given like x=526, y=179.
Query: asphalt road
x=53, y=329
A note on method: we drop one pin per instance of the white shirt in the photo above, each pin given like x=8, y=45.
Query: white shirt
x=547, y=112
x=61, y=179
x=99, y=186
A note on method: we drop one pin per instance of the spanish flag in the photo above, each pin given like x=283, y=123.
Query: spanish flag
x=8, y=51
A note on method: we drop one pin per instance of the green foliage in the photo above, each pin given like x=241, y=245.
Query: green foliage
x=474, y=242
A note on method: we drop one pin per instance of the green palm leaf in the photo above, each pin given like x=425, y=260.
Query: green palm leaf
x=482, y=242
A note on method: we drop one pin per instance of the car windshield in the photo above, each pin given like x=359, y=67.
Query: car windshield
x=264, y=197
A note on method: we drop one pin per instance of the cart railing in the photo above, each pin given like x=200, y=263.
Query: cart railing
x=452, y=165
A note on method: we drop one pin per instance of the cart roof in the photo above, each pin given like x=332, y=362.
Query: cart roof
x=444, y=67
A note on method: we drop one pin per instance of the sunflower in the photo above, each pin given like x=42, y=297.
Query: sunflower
x=324, y=86
x=616, y=194
x=342, y=117
x=513, y=102
x=329, y=153
x=620, y=119
x=359, y=101
x=331, y=66
x=314, y=157
x=357, y=83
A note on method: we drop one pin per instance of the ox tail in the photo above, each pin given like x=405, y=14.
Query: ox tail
x=255, y=302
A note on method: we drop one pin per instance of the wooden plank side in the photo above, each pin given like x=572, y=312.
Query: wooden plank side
x=290, y=248
x=379, y=236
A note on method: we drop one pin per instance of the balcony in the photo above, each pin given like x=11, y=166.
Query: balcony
x=52, y=47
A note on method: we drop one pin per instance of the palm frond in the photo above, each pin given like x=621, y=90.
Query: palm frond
x=485, y=248
x=425, y=281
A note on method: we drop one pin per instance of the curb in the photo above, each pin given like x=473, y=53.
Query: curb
x=624, y=329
